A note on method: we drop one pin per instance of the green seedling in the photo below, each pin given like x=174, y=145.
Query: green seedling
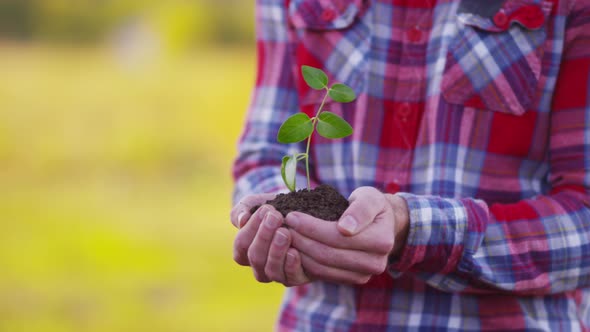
x=300, y=126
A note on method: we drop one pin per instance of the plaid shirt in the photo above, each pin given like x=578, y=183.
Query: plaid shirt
x=478, y=114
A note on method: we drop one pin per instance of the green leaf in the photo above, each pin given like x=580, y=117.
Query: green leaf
x=315, y=78
x=289, y=171
x=331, y=125
x=341, y=93
x=295, y=129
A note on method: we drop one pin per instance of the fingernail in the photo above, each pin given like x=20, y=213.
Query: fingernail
x=290, y=260
x=280, y=239
x=241, y=219
x=292, y=220
x=271, y=220
x=348, y=223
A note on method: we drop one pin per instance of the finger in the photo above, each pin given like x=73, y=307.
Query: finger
x=317, y=271
x=376, y=238
x=294, y=270
x=277, y=253
x=365, y=204
x=259, y=250
x=345, y=259
x=246, y=235
x=240, y=213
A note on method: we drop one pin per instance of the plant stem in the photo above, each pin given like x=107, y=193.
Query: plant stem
x=314, y=121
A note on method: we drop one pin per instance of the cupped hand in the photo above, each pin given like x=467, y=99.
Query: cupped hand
x=358, y=246
x=263, y=245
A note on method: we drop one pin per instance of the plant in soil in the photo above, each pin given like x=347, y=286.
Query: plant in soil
x=323, y=202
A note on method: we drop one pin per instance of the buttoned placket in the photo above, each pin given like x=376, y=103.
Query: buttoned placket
x=407, y=113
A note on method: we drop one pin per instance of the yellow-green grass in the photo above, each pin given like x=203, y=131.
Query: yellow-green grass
x=115, y=193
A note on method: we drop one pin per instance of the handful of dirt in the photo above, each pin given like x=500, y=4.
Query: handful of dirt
x=323, y=202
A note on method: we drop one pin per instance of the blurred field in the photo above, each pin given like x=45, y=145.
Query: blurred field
x=115, y=193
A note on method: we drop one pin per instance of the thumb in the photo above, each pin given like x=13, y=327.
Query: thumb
x=366, y=203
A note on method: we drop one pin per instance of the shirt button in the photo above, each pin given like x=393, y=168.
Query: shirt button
x=414, y=35
x=328, y=15
x=501, y=19
x=531, y=16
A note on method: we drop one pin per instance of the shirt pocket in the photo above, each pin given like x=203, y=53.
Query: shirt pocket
x=328, y=34
x=495, y=60
x=323, y=15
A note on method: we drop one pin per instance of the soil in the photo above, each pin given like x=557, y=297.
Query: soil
x=323, y=202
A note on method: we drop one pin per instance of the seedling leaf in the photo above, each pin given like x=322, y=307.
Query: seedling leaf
x=332, y=126
x=295, y=129
x=341, y=93
x=315, y=78
x=289, y=171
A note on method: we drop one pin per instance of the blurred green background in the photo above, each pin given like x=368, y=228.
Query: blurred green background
x=118, y=125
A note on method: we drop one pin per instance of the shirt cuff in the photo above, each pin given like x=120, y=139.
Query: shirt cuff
x=436, y=237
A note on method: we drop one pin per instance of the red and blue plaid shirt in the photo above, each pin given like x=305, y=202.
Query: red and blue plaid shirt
x=478, y=114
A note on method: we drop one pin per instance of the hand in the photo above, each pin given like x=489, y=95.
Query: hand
x=358, y=245
x=263, y=245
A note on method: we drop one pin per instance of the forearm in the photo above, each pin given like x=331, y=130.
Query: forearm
x=533, y=247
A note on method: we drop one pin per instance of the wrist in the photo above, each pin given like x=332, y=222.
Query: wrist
x=401, y=222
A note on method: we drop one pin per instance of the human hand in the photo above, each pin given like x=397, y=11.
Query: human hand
x=262, y=244
x=356, y=247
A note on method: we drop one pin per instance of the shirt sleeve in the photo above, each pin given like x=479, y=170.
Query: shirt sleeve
x=257, y=168
x=536, y=246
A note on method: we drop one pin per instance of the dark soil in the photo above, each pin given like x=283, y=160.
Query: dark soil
x=323, y=202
